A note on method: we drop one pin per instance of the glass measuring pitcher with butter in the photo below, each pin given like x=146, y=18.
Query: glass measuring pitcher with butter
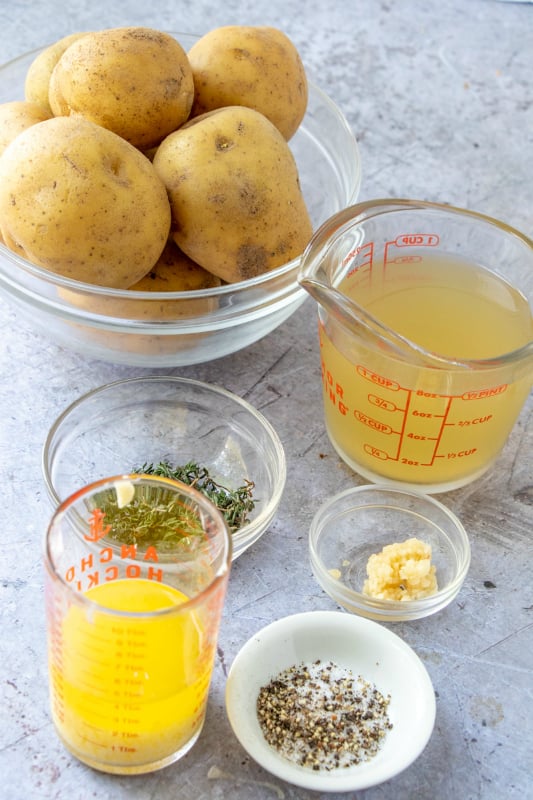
x=426, y=338
x=136, y=569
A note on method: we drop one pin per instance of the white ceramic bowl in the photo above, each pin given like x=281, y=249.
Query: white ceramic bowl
x=117, y=428
x=352, y=525
x=221, y=320
x=356, y=644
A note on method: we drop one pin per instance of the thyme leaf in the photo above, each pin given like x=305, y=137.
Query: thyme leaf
x=234, y=505
x=145, y=523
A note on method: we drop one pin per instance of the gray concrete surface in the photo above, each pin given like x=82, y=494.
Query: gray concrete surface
x=440, y=97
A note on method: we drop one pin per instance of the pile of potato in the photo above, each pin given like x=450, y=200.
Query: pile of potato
x=133, y=164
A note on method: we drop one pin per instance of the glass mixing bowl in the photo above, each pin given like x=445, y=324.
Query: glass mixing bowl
x=199, y=325
x=122, y=426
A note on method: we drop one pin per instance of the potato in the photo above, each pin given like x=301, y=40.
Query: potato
x=176, y=272
x=173, y=272
x=38, y=75
x=15, y=117
x=237, y=207
x=80, y=201
x=135, y=81
x=254, y=66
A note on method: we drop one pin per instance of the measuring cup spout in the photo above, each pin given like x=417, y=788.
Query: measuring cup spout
x=332, y=301
x=359, y=323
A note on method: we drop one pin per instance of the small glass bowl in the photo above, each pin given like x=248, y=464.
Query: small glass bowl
x=168, y=329
x=119, y=427
x=351, y=526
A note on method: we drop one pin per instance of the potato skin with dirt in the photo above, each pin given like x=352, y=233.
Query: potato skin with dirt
x=80, y=201
x=254, y=66
x=37, y=82
x=135, y=81
x=173, y=272
x=16, y=116
x=232, y=181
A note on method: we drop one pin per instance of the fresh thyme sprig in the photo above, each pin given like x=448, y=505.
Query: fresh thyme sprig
x=234, y=505
x=165, y=524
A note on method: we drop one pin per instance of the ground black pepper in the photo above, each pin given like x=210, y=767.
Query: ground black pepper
x=322, y=717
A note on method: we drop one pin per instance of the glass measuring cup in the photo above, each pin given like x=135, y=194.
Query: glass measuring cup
x=136, y=569
x=426, y=338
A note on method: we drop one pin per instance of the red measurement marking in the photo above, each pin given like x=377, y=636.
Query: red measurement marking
x=97, y=529
x=370, y=422
x=404, y=422
x=465, y=423
x=441, y=431
x=379, y=380
x=407, y=240
x=482, y=393
x=367, y=253
x=375, y=452
x=380, y=402
x=405, y=260
x=417, y=240
x=462, y=453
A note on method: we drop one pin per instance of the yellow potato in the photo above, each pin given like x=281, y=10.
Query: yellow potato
x=134, y=81
x=237, y=206
x=176, y=272
x=173, y=272
x=38, y=75
x=254, y=66
x=80, y=201
x=142, y=344
x=15, y=117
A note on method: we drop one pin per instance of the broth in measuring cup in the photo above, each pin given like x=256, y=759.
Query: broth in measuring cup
x=417, y=425
x=455, y=308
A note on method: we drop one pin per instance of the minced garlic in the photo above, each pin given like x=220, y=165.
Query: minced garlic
x=335, y=573
x=401, y=571
x=125, y=492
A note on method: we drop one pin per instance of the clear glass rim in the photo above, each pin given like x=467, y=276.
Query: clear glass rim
x=81, y=599
x=392, y=607
x=350, y=217
x=248, y=531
